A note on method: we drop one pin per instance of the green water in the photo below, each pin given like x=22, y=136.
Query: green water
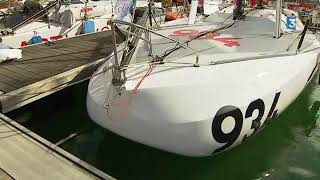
x=287, y=149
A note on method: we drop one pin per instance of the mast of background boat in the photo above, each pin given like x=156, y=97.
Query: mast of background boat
x=148, y=36
x=85, y=10
x=238, y=13
x=150, y=12
x=278, y=19
x=193, y=12
x=260, y=4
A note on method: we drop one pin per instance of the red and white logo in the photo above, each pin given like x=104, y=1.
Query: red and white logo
x=191, y=34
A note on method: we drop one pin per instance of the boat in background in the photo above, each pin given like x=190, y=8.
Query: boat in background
x=7, y=4
x=200, y=86
x=56, y=21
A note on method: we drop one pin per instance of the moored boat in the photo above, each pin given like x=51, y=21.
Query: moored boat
x=199, y=88
x=55, y=21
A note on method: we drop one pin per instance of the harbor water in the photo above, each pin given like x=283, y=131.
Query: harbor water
x=289, y=148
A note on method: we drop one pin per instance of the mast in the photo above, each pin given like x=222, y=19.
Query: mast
x=260, y=4
x=193, y=12
x=147, y=33
x=238, y=10
x=150, y=12
x=278, y=19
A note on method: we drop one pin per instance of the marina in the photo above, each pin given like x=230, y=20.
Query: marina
x=182, y=89
x=45, y=69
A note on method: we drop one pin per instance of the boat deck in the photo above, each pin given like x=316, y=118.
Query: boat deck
x=25, y=155
x=46, y=68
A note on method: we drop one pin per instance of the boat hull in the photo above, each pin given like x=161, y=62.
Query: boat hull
x=200, y=111
x=23, y=36
x=60, y=26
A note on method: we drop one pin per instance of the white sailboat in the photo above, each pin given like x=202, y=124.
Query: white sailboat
x=65, y=19
x=199, y=88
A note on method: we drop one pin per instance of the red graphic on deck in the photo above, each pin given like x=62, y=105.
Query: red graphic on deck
x=44, y=40
x=191, y=34
x=87, y=9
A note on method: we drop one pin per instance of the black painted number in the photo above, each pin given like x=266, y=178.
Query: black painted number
x=218, y=134
x=272, y=113
x=234, y=112
x=256, y=123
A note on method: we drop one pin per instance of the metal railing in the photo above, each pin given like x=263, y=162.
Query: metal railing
x=147, y=30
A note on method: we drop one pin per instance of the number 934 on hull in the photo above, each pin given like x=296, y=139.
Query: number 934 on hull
x=199, y=111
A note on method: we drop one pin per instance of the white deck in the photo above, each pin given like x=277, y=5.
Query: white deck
x=253, y=36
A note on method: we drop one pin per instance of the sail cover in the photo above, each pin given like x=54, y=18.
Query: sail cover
x=122, y=11
x=123, y=8
x=211, y=6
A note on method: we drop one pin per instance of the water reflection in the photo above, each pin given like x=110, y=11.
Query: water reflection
x=313, y=116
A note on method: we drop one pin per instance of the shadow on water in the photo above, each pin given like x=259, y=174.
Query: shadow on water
x=57, y=115
x=287, y=149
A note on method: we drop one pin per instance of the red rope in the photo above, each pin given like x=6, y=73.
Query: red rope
x=134, y=92
x=127, y=102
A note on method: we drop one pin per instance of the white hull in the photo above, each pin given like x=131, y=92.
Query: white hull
x=178, y=117
x=200, y=111
x=55, y=32
x=99, y=11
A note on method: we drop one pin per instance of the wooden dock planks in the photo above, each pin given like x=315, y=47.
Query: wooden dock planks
x=25, y=155
x=47, y=68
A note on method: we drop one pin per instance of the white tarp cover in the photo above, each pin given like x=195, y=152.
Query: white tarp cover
x=211, y=6
x=8, y=54
x=122, y=10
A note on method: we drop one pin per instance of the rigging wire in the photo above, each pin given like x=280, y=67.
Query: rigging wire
x=201, y=34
